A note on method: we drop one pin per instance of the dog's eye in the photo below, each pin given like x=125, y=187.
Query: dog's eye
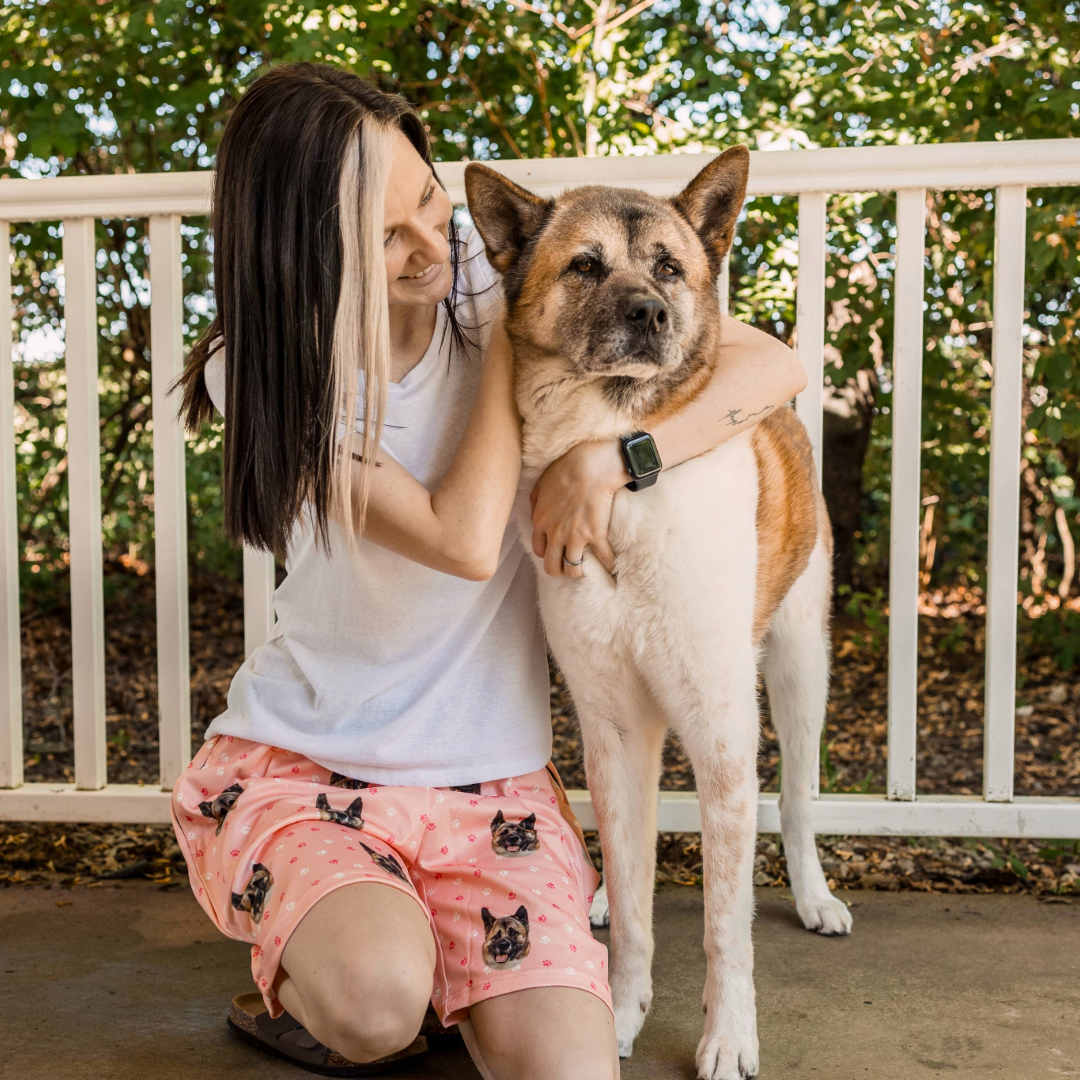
x=669, y=270
x=583, y=264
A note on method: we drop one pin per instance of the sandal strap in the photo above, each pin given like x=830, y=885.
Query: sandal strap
x=291, y=1038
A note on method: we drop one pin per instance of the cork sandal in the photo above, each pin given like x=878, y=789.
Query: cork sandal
x=287, y=1038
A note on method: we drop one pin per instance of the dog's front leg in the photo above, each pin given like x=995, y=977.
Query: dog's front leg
x=622, y=761
x=624, y=739
x=722, y=744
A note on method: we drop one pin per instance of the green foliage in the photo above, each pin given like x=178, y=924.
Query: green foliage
x=869, y=609
x=1060, y=849
x=1056, y=634
x=134, y=85
x=830, y=776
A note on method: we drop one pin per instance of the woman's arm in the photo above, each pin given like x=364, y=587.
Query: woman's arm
x=458, y=528
x=754, y=374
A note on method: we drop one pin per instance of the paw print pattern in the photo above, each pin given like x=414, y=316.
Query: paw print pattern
x=274, y=851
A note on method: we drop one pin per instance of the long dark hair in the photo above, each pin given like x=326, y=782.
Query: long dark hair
x=293, y=275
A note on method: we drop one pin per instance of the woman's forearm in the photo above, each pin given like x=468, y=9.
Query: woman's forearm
x=572, y=501
x=755, y=374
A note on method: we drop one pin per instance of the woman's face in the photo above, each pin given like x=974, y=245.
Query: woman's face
x=417, y=216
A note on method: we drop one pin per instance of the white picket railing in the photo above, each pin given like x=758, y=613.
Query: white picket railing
x=1008, y=167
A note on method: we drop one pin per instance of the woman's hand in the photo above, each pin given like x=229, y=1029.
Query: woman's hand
x=571, y=507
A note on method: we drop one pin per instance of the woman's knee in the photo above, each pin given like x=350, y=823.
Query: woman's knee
x=365, y=1018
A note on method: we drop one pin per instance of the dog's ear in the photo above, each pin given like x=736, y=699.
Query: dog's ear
x=506, y=216
x=322, y=802
x=236, y=787
x=496, y=821
x=370, y=851
x=356, y=807
x=489, y=919
x=528, y=823
x=207, y=809
x=522, y=915
x=711, y=202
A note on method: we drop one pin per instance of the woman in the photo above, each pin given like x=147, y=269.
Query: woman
x=372, y=811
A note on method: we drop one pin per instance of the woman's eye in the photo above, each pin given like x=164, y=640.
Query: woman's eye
x=389, y=238
x=429, y=196
x=584, y=265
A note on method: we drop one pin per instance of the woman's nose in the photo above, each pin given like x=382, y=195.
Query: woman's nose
x=436, y=248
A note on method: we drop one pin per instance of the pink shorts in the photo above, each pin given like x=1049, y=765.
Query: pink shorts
x=498, y=868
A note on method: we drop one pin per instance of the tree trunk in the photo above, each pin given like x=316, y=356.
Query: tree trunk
x=848, y=418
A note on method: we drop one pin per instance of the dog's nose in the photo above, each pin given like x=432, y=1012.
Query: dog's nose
x=646, y=313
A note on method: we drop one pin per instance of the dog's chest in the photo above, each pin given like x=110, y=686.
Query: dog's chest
x=684, y=549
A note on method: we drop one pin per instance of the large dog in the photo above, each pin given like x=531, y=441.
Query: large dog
x=722, y=566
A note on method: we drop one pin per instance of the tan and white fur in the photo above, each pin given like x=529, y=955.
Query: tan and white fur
x=722, y=568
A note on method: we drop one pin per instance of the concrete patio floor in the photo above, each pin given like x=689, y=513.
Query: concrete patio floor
x=131, y=981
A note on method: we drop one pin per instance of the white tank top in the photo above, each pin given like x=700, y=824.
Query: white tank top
x=380, y=668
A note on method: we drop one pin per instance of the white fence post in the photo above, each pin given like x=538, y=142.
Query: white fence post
x=723, y=287
x=170, y=500
x=810, y=314
x=810, y=330
x=906, y=476
x=84, y=501
x=11, y=714
x=258, y=598
x=999, y=730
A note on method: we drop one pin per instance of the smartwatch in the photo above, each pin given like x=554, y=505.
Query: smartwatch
x=642, y=460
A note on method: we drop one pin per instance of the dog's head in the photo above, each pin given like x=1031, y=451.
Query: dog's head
x=253, y=898
x=607, y=283
x=505, y=939
x=339, y=780
x=221, y=805
x=514, y=837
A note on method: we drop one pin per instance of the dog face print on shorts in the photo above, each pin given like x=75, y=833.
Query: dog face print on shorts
x=253, y=898
x=221, y=805
x=385, y=862
x=337, y=780
x=350, y=817
x=506, y=940
x=514, y=838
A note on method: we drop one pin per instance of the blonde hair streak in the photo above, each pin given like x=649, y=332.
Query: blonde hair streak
x=361, y=325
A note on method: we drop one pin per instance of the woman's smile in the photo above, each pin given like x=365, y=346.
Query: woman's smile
x=424, y=276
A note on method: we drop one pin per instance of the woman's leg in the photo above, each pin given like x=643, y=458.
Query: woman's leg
x=358, y=970
x=543, y=1033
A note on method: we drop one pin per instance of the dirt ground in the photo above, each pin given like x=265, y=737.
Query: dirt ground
x=854, y=748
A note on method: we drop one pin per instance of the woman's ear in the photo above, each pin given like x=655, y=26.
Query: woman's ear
x=711, y=202
x=506, y=216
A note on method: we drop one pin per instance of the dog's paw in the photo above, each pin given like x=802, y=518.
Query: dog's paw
x=727, y=1056
x=827, y=916
x=630, y=1013
x=599, y=915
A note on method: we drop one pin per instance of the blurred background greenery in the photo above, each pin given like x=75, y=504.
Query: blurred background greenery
x=134, y=86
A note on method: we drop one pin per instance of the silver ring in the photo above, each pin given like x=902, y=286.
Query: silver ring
x=570, y=562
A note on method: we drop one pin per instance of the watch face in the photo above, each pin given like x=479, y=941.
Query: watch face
x=642, y=456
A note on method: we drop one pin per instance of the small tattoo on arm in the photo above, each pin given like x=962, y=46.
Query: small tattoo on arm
x=358, y=457
x=734, y=419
